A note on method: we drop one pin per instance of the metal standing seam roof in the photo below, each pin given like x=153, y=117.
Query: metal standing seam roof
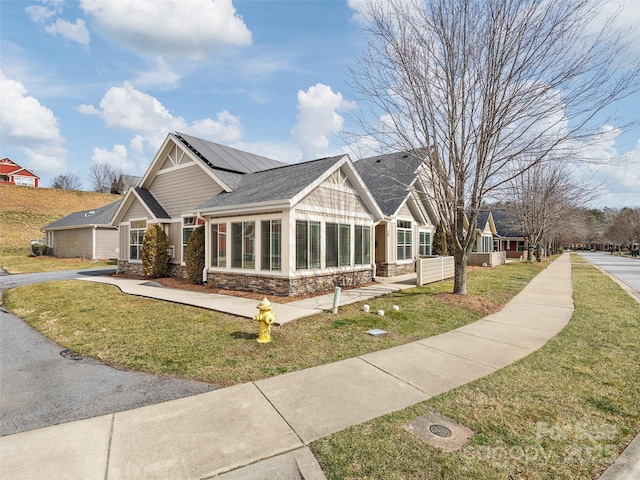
x=281, y=183
x=227, y=158
x=389, y=178
x=97, y=216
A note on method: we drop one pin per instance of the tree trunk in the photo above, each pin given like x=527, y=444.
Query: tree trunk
x=460, y=273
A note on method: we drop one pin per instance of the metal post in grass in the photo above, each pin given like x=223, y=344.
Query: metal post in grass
x=336, y=300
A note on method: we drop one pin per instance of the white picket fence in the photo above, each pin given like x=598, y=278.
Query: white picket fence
x=433, y=269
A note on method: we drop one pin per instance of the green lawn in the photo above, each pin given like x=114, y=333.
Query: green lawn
x=20, y=261
x=158, y=337
x=563, y=412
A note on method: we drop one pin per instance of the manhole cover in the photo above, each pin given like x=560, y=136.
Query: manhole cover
x=70, y=355
x=440, y=431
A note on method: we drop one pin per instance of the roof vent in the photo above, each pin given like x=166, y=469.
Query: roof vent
x=88, y=214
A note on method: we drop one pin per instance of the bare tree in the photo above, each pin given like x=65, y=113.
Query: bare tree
x=625, y=228
x=69, y=181
x=481, y=84
x=103, y=176
x=541, y=197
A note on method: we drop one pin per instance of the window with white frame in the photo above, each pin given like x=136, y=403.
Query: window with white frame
x=25, y=181
x=338, y=244
x=243, y=240
x=404, y=240
x=424, y=243
x=136, y=237
x=219, y=245
x=362, y=245
x=307, y=245
x=271, y=245
x=189, y=224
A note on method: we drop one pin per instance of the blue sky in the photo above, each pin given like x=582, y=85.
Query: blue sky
x=106, y=80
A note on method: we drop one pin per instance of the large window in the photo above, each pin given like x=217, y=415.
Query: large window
x=424, y=245
x=338, y=244
x=25, y=181
x=362, y=253
x=243, y=245
x=271, y=245
x=403, y=244
x=307, y=245
x=136, y=236
x=219, y=245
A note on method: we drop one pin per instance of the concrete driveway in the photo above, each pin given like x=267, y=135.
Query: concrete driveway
x=41, y=387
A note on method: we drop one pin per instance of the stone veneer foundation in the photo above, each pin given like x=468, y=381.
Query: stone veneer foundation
x=267, y=284
x=394, y=269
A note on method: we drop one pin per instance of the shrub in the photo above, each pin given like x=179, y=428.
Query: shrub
x=440, y=241
x=155, y=252
x=38, y=249
x=194, y=255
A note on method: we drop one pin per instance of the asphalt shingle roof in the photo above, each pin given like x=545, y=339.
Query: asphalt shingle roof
x=151, y=202
x=97, y=216
x=389, y=177
x=506, y=223
x=227, y=158
x=281, y=183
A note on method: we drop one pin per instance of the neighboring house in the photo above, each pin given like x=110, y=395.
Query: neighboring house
x=487, y=250
x=14, y=174
x=511, y=240
x=409, y=218
x=276, y=228
x=87, y=234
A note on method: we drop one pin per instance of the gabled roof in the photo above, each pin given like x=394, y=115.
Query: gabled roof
x=9, y=167
x=389, y=178
x=282, y=183
x=506, y=223
x=86, y=218
x=151, y=203
x=227, y=158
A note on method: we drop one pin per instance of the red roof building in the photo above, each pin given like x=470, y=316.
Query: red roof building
x=13, y=174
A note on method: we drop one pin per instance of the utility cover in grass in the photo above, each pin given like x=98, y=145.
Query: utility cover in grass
x=440, y=431
x=376, y=332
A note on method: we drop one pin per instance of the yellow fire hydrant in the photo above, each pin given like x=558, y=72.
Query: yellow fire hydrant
x=266, y=318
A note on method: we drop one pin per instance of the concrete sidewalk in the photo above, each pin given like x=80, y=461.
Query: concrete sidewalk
x=246, y=307
x=261, y=429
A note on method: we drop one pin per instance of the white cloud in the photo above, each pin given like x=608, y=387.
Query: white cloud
x=129, y=109
x=30, y=126
x=76, y=32
x=170, y=27
x=161, y=76
x=27, y=124
x=44, y=12
x=317, y=120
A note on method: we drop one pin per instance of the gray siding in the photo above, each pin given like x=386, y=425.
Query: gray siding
x=405, y=212
x=330, y=197
x=180, y=191
x=136, y=210
x=106, y=243
x=124, y=243
x=77, y=243
x=175, y=239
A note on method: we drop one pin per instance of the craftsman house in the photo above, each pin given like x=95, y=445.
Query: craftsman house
x=409, y=218
x=87, y=234
x=13, y=174
x=487, y=249
x=271, y=227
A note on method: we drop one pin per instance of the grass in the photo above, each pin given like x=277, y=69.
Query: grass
x=562, y=412
x=25, y=210
x=162, y=338
x=19, y=261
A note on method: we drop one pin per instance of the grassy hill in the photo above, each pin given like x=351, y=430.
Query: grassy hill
x=25, y=210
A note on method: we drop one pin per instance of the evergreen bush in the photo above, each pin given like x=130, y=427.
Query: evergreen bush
x=155, y=252
x=194, y=255
x=440, y=241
